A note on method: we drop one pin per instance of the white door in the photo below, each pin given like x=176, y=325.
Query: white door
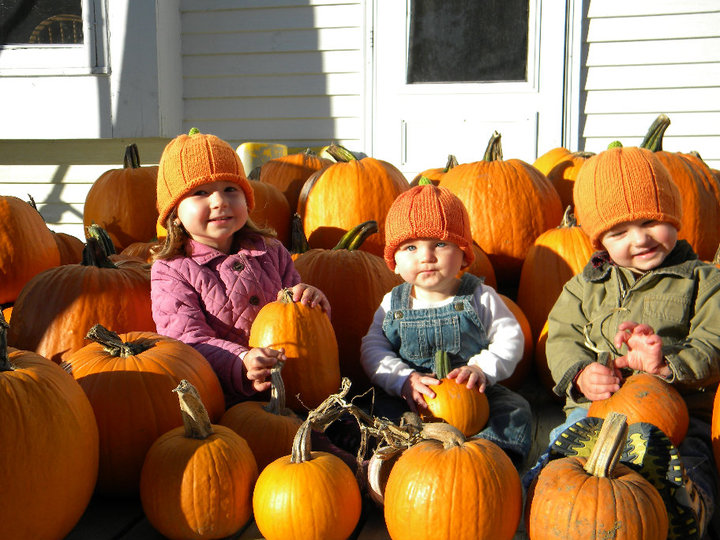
x=426, y=106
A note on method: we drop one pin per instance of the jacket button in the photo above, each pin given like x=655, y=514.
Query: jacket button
x=238, y=267
x=254, y=300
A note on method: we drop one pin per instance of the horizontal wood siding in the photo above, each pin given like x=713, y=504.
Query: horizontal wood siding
x=648, y=57
x=289, y=72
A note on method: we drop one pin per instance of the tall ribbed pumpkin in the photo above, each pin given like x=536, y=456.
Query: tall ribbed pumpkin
x=312, y=370
x=49, y=462
x=346, y=193
x=510, y=204
x=129, y=379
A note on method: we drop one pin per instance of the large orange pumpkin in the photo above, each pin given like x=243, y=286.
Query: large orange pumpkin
x=49, y=462
x=58, y=306
x=129, y=379
x=312, y=370
x=510, y=204
x=27, y=247
x=289, y=173
x=646, y=398
x=346, y=193
x=449, y=487
x=197, y=480
x=123, y=201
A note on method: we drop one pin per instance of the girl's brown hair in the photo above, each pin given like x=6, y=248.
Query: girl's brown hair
x=177, y=237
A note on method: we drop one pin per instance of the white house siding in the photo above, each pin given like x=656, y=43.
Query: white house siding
x=646, y=57
x=282, y=71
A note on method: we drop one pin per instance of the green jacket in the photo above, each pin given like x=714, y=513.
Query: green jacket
x=679, y=300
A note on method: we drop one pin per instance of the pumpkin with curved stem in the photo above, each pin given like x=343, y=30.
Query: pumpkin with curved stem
x=269, y=428
x=466, y=409
x=595, y=497
x=510, y=203
x=27, y=247
x=646, y=398
x=122, y=201
x=128, y=379
x=346, y=193
x=318, y=490
x=449, y=487
x=289, y=173
x=50, y=447
x=312, y=370
x=435, y=174
x=197, y=480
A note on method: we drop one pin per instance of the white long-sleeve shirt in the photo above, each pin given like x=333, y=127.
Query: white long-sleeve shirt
x=498, y=361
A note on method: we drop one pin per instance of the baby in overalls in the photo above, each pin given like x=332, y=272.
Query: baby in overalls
x=428, y=242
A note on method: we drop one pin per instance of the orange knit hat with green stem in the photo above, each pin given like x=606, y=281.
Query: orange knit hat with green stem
x=427, y=211
x=191, y=160
x=624, y=184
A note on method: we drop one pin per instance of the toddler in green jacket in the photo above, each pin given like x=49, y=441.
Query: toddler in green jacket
x=646, y=303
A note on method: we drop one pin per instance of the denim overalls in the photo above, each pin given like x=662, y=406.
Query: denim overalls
x=456, y=328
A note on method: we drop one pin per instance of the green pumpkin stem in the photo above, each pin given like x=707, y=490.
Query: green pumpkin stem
x=5, y=364
x=354, y=238
x=194, y=414
x=131, y=159
x=340, y=153
x=94, y=255
x=493, y=152
x=442, y=364
x=608, y=447
x=654, y=137
x=113, y=345
x=101, y=235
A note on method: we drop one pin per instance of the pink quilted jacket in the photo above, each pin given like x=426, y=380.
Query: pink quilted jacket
x=209, y=300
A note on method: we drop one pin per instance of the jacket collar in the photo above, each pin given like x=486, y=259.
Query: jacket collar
x=680, y=261
x=251, y=245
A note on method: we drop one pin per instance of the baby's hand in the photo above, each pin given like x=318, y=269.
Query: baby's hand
x=310, y=296
x=258, y=363
x=644, y=349
x=416, y=386
x=472, y=374
x=597, y=381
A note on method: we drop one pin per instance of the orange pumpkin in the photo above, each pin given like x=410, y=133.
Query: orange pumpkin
x=50, y=447
x=346, y=193
x=27, y=247
x=70, y=247
x=271, y=210
x=481, y=267
x=312, y=370
x=545, y=162
x=289, y=173
x=197, y=480
x=128, y=379
x=123, y=201
x=435, y=174
x=647, y=398
x=562, y=176
x=510, y=203
x=516, y=380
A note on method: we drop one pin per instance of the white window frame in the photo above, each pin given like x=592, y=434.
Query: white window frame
x=90, y=57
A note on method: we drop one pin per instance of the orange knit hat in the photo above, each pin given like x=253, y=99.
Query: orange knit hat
x=188, y=161
x=427, y=211
x=624, y=184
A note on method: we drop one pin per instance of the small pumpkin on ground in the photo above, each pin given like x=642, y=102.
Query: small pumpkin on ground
x=595, y=497
x=646, y=398
x=197, y=480
x=312, y=370
x=269, y=428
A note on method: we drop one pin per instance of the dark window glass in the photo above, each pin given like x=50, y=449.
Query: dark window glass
x=468, y=41
x=40, y=22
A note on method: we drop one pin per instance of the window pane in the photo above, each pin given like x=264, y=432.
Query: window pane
x=40, y=22
x=468, y=40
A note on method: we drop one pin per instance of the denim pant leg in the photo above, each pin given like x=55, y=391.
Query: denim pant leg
x=510, y=422
x=697, y=457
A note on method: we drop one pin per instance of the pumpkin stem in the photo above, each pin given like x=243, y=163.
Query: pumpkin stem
x=101, y=235
x=448, y=435
x=113, y=345
x=442, y=364
x=131, y=159
x=653, y=137
x=352, y=239
x=94, y=255
x=608, y=447
x=286, y=296
x=568, y=219
x=5, y=364
x=340, y=153
x=493, y=152
x=298, y=240
x=194, y=414
x=276, y=405
x=451, y=162
x=255, y=173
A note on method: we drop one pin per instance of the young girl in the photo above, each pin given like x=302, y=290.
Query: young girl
x=217, y=268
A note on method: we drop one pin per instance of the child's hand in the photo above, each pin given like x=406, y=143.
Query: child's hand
x=417, y=385
x=644, y=349
x=258, y=363
x=472, y=374
x=598, y=382
x=309, y=296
